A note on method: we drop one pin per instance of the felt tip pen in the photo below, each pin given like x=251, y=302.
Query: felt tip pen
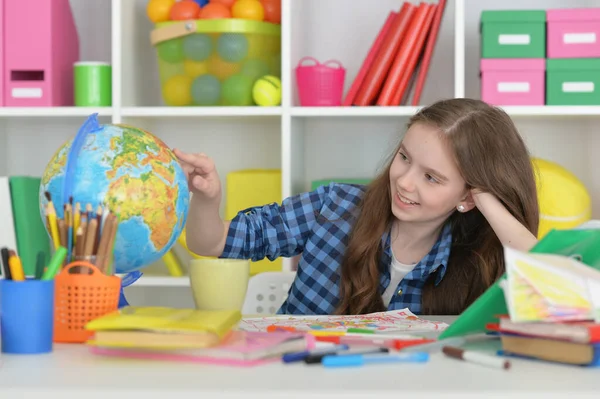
x=435, y=346
x=476, y=357
x=317, y=359
x=299, y=356
x=360, y=331
x=360, y=360
x=55, y=263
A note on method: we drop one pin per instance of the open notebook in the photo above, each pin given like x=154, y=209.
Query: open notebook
x=381, y=322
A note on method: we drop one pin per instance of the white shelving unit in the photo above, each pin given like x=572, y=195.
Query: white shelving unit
x=307, y=143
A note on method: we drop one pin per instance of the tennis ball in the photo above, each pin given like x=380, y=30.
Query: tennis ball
x=267, y=91
x=564, y=200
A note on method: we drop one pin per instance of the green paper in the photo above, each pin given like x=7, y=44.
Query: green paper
x=30, y=229
x=582, y=244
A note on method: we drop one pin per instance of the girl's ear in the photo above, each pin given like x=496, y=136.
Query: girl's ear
x=467, y=203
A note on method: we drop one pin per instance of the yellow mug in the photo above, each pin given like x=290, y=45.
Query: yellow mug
x=219, y=284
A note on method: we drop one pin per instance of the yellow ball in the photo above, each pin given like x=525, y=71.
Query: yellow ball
x=195, y=68
x=267, y=91
x=564, y=201
x=158, y=10
x=177, y=90
x=248, y=9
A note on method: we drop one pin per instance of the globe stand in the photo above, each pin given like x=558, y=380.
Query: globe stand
x=126, y=281
x=122, y=300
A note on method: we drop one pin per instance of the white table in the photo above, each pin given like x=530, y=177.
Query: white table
x=72, y=372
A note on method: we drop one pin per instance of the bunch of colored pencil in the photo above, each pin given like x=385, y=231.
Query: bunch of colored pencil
x=87, y=235
x=12, y=268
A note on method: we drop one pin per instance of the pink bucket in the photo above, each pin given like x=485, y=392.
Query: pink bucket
x=320, y=84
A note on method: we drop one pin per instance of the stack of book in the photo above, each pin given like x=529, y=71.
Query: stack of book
x=403, y=48
x=576, y=343
x=162, y=333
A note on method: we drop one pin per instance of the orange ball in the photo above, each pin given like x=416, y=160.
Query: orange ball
x=248, y=9
x=226, y=3
x=185, y=9
x=272, y=10
x=221, y=68
x=214, y=11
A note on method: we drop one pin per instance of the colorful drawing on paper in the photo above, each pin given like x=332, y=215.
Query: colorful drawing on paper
x=390, y=321
x=545, y=288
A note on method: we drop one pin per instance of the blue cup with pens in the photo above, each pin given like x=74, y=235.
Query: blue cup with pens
x=26, y=316
x=27, y=304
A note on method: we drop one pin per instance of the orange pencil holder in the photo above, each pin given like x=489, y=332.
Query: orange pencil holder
x=80, y=298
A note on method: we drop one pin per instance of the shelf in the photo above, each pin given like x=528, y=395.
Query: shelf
x=53, y=111
x=158, y=112
x=409, y=111
x=162, y=281
x=305, y=143
x=353, y=111
x=552, y=110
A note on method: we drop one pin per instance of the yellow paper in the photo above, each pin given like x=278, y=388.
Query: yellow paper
x=253, y=187
x=163, y=319
x=545, y=287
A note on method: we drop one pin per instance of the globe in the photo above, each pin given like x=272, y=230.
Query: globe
x=131, y=172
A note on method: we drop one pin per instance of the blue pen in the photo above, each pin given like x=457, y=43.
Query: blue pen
x=361, y=360
x=299, y=356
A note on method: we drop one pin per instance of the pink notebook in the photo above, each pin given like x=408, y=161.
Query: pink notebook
x=241, y=348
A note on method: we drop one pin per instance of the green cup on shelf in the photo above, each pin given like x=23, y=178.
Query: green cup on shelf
x=92, y=84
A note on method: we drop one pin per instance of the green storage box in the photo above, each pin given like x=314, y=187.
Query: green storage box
x=318, y=183
x=573, y=81
x=513, y=34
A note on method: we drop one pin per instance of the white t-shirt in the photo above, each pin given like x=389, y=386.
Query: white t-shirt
x=397, y=272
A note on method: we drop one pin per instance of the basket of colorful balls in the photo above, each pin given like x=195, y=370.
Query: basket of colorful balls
x=217, y=52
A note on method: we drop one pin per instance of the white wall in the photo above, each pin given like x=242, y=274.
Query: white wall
x=323, y=147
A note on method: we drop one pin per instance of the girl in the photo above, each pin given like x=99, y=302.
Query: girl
x=426, y=234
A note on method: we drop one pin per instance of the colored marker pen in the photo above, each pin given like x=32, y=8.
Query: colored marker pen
x=435, y=346
x=316, y=359
x=361, y=360
x=299, y=356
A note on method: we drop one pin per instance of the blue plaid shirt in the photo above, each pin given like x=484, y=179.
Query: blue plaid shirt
x=317, y=224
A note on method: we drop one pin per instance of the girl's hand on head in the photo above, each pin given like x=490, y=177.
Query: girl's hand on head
x=481, y=199
x=476, y=194
x=201, y=173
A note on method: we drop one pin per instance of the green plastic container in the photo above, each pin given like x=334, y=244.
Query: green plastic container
x=318, y=183
x=93, y=84
x=513, y=34
x=573, y=81
x=215, y=62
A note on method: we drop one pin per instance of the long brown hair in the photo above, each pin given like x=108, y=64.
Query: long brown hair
x=491, y=156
